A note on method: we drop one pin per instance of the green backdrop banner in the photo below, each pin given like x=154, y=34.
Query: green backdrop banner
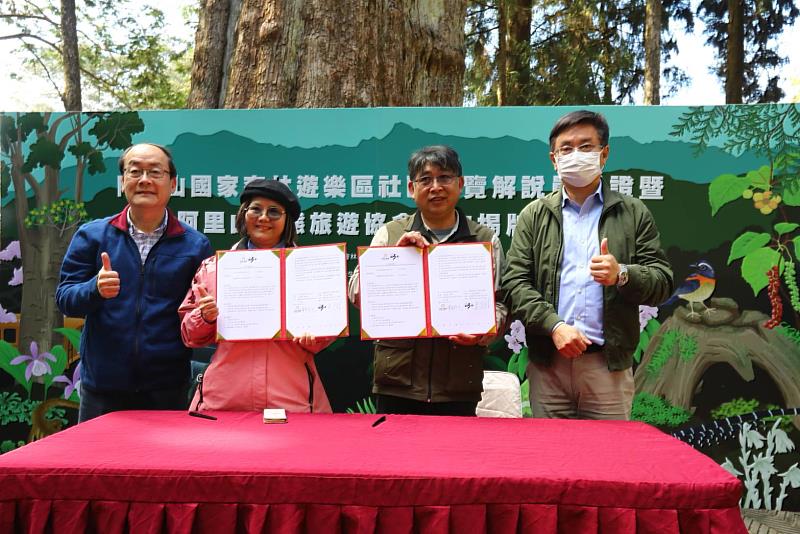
x=723, y=184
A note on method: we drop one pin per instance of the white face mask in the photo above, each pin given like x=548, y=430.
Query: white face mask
x=578, y=169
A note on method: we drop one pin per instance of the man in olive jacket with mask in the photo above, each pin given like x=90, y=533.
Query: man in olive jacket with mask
x=581, y=261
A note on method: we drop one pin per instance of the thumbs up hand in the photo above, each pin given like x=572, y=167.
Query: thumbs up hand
x=207, y=305
x=107, y=279
x=604, y=268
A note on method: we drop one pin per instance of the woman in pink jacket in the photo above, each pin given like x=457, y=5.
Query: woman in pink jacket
x=253, y=375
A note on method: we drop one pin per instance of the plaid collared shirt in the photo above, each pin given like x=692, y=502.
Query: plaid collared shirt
x=143, y=240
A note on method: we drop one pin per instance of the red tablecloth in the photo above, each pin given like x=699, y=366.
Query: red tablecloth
x=168, y=472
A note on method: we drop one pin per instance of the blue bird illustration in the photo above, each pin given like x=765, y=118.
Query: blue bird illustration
x=696, y=288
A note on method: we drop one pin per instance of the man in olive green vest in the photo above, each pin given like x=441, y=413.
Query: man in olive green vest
x=433, y=376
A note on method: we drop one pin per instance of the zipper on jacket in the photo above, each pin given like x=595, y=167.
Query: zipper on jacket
x=139, y=297
x=310, y=387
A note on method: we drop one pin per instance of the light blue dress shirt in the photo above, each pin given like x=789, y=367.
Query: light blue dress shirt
x=580, y=298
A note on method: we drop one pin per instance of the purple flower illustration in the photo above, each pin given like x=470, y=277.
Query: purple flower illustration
x=11, y=252
x=16, y=277
x=37, y=363
x=71, y=385
x=6, y=316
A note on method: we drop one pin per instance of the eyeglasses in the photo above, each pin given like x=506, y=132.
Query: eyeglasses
x=587, y=147
x=154, y=174
x=442, y=179
x=273, y=213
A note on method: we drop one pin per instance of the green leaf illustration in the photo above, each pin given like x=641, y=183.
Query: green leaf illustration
x=759, y=178
x=755, y=266
x=791, y=196
x=726, y=188
x=796, y=242
x=73, y=336
x=785, y=228
x=522, y=363
x=7, y=353
x=747, y=243
x=57, y=368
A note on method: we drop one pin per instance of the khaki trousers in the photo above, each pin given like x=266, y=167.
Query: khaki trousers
x=580, y=388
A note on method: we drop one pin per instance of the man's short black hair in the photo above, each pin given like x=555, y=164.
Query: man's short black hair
x=580, y=117
x=442, y=156
x=173, y=172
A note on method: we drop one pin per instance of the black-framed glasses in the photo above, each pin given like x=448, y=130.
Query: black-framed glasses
x=153, y=174
x=442, y=179
x=586, y=147
x=273, y=213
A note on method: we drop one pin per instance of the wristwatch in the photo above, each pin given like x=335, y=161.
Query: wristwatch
x=622, y=277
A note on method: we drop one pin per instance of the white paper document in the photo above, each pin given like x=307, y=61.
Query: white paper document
x=282, y=293
x=440, y=291
x=316, y=291
x=249, y=294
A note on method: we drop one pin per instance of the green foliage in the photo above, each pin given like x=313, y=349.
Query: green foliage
x=43, y=153
x=116, y=129
x=685, y=343
x=563, y=52
x=688, y=347
x=761, y=24
x=789, y=331
x=14, y=409
x=726, y=188
x=73, y=335
x=746, y=243
x=128, y=58
x=62, y=214
x=518, y=363
x=7, y=445
x=645, y=336
x=755, y=266
x=740, y=406
x=733, y=407
x=525, y=391
x=656, y=410
x=663, y=353
x=7, y=353
x=785, y=228
x=365, y=405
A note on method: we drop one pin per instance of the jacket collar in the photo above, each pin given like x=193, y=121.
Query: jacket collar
x=463, y=231
x=555, y=200
x=174, y=227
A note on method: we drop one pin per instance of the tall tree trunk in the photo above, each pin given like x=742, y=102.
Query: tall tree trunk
x=211, y=45
x=518, y=51
x=501, y=88
x=734, y=67
x=605, y=57
x=316, y=53
x=69, y=53
x=652, y=53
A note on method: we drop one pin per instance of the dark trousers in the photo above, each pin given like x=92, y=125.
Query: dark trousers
x=95, y=403
x=399, y=405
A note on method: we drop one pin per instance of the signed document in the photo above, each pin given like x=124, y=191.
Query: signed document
x=282, y=293
x=316, y=291
x=439, y=291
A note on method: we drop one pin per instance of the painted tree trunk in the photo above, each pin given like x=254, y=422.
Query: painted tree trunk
x=314, y=53
x=721, y=335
